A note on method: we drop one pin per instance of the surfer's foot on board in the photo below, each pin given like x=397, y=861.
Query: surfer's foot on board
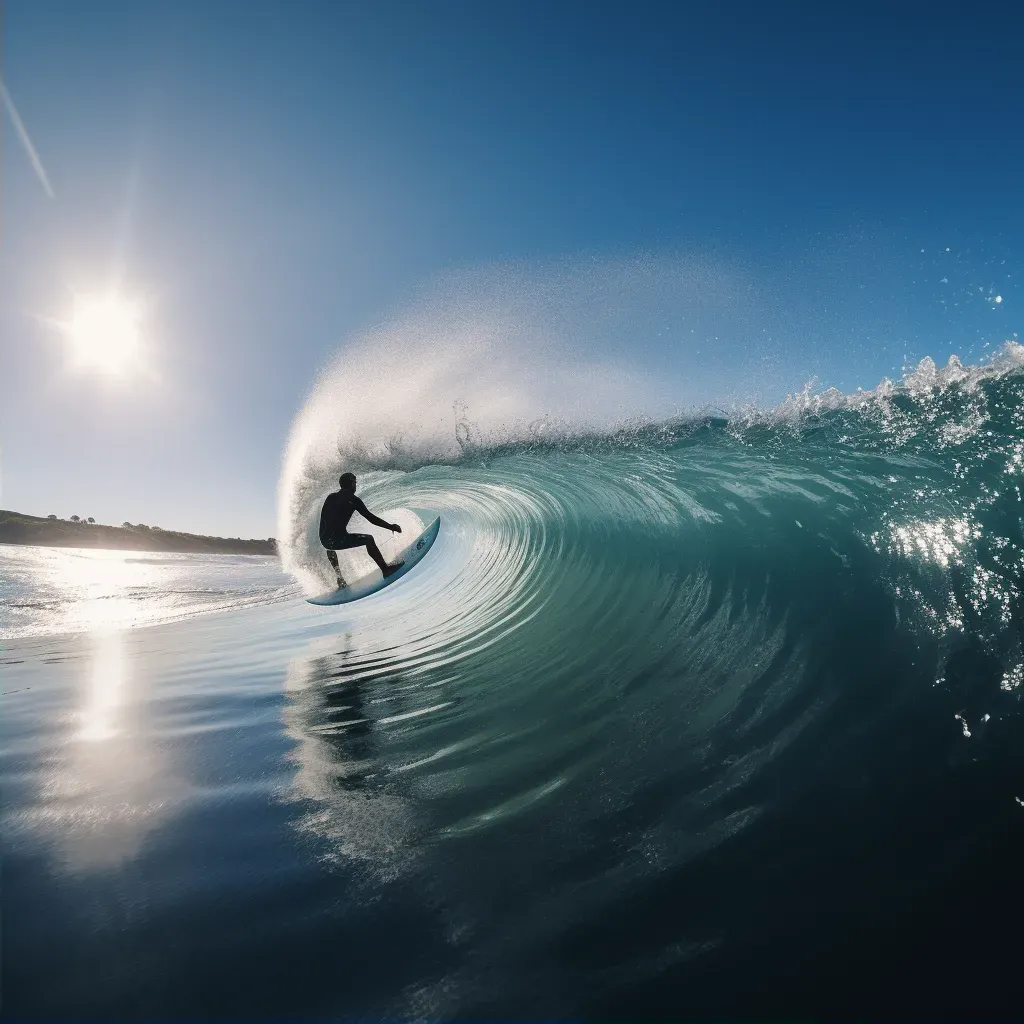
x=390, y=570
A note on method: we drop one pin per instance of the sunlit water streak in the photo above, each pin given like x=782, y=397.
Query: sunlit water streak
x=76, y=590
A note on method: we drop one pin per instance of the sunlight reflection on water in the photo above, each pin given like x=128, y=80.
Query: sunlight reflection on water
x=106, y=688
x=46, y=591
x=105, y=787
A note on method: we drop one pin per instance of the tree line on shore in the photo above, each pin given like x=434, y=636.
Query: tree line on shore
x=125, y=525
x=52, y=531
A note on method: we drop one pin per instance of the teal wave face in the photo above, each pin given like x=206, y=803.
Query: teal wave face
x=680, y=685
x=732, y=578
x=911, y=493
x=914, y=490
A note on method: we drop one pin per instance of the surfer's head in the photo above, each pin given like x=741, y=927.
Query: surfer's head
x=347, y=482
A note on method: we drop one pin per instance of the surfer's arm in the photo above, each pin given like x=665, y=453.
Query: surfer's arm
x=371, y=518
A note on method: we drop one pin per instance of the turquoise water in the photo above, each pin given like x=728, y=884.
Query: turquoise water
x=704, y=716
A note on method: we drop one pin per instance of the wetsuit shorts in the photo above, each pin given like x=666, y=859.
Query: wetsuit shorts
x=346, y=540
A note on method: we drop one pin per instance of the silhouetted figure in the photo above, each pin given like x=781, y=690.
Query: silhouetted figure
x=337, y=511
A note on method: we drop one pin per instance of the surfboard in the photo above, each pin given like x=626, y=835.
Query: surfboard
x=372, y=582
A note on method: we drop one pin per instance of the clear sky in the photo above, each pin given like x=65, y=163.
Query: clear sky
x=266, y=180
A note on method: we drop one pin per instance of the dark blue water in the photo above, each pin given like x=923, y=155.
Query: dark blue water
x=706, y=718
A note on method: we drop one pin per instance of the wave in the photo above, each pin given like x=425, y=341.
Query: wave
x=664, y=649
x=738, y=533
x=676, y=667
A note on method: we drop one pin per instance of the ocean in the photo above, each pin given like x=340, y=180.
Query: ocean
x=700, y=716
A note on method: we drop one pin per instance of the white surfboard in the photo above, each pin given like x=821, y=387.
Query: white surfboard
x=372, y=582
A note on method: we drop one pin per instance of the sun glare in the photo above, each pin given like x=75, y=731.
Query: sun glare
x=105, y=333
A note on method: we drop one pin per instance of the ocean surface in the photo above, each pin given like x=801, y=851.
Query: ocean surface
x=709, y=716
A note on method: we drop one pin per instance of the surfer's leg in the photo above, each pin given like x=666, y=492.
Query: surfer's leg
x=374, y=552
x=360, y=540
x=332, y=557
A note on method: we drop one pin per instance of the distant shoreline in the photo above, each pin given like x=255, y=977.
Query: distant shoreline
x=16, y=528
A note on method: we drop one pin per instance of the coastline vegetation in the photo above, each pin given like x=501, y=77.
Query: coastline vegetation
x=76, y=532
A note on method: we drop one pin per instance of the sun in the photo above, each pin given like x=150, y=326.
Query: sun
x=105, y=334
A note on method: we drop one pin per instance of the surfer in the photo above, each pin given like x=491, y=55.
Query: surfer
x=337, y=511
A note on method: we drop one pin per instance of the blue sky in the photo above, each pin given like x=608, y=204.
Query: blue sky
x=273, y=178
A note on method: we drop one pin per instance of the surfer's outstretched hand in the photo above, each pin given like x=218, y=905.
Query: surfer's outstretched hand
x=395, y=528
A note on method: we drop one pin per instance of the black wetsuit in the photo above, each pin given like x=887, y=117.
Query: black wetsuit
x=334, y=517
